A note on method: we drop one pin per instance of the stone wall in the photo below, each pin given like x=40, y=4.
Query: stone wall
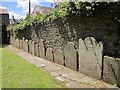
x=101, y=25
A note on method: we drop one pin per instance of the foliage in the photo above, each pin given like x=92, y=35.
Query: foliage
x=61, y=10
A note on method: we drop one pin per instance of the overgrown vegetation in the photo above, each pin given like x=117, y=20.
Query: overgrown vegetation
x=61, y=10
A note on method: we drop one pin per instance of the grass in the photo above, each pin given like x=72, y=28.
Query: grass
x=18, y=73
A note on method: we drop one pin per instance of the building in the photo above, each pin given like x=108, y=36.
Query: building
x=4, y=22
x=41, y=10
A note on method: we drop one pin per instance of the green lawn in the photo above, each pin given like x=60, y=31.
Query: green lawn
x=18, y=73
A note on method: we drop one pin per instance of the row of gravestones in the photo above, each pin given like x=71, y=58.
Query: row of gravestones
x=88, y=59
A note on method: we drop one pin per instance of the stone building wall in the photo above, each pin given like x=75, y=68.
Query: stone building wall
x=102, y=25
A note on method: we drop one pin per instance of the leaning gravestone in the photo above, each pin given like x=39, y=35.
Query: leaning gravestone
x=42, y=49
x=70, y=56
x=111, y=72
x=90, y=57
x=58, y=57
x=49, y=54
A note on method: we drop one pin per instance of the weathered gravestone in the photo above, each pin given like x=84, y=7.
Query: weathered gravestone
x=26, y=45
x=49, y=54
x=90, y=57
x=20, y=43
x=70, y=56
x=42, y=49
x=17, y=42
x=23, y=43
x=36, y=50
x=58, y=57
x=30, y=46
x=111, y=72
x=33, y=48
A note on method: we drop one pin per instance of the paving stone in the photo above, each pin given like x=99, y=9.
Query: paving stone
x=70, y=56
x=42, y=49
x=58, y=57
x=73, y=84
x=49, y=54
x=90, y=57
x=54, y=74
x=111, y=73
x=62, y=79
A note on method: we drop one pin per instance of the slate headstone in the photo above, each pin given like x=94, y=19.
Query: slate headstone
x=70, y=56
x=90, y=57
x=49, y=54
x=58, y=57
x=111, y=72
x=42, y=49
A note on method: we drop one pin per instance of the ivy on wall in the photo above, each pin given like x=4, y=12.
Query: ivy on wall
x=61, y=10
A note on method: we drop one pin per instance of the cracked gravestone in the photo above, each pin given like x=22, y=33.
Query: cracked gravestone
x=111, y=72
x=49, y=54
x=70, y=56
x=42, y=49
x=90, y=57
x=58, y=57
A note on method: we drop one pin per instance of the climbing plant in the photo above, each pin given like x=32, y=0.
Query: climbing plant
x=61, y=10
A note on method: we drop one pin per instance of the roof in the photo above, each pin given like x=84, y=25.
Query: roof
x=3, y=11
x=41, y=10
x=12, y=22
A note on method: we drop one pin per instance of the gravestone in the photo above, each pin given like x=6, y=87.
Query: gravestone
x=90, y=57
x=111, y=72
x=33, y=48
x=26, y=45
x=70, y=56
x=23, y=43
x=20, y=43
x=58, y=57
x=49, y=54
x=15, y=43
x=36, y=50
x=30, y=46
x=42, y=49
